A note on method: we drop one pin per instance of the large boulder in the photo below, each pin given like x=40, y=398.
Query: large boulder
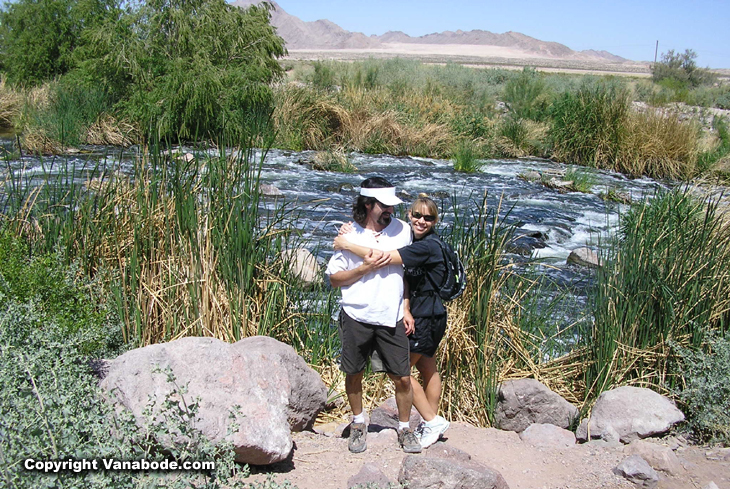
x=425, y=472
x=629, y=413
x=584, y=257
x=258, y=383
x=525, y=401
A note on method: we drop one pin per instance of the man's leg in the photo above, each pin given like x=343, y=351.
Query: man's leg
x=353, y=389
x=403, y=396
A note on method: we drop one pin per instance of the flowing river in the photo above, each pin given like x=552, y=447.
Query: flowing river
x=549, y=223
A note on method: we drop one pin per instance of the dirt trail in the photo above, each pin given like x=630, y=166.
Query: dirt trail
x=323, y=462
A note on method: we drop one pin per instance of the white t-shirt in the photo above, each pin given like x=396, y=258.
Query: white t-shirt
x=377, y=298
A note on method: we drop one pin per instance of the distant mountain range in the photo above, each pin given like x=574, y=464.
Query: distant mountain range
x=324, y=34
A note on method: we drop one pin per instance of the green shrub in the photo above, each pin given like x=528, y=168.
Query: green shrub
x=706, y=394
x=682, y=70
x=39, y=40
x=185, y=68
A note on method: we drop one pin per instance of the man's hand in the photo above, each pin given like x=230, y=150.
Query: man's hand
x=340, y=242
x=409, y=322
x=376, y=259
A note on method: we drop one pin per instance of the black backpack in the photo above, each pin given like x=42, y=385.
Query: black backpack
x=454, y=281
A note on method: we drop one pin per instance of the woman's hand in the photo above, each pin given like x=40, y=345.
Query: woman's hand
x=346, y=228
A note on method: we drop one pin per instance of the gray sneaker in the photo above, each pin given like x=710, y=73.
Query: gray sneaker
x=358, y=434
x=409, y=442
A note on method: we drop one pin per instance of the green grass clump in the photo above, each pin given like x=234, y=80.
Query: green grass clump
x=588, y=125
x=583, y=181
x=465, y=157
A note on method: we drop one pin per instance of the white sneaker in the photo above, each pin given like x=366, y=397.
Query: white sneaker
x=431, y=431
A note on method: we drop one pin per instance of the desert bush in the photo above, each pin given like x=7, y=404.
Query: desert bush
x=706, y=393
x=681, y=69
x=664, y=280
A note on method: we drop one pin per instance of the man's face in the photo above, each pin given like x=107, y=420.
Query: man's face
x=381, y=213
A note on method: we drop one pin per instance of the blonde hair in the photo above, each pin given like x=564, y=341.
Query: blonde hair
x=426, y=201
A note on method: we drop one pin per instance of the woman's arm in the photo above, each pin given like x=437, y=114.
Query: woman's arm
x=342, y=243
x=371, y=262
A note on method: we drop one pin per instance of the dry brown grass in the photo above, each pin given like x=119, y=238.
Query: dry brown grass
x=108, y=130
x=11, y=102
x=659, y=145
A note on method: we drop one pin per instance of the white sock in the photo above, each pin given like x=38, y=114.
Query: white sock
x=402, y=425
x=359, y=418
x=436, y=419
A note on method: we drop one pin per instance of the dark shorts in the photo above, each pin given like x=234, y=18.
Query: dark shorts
x=429, y=333
x=359, y=340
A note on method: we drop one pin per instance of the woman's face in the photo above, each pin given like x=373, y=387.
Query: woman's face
x=422, y=221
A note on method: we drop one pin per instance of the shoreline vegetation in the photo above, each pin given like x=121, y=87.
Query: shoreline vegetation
x=181, y=247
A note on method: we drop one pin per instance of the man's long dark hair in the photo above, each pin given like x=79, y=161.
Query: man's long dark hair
x=359, y=209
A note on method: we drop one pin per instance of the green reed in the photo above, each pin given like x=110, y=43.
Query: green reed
x=666, y=280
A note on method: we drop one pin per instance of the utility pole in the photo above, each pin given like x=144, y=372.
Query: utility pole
x=656, y=50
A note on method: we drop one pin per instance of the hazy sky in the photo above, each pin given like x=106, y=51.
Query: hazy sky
x=626, y=28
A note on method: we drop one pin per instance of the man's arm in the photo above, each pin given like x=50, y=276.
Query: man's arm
x=371, y=262
x=408, y=320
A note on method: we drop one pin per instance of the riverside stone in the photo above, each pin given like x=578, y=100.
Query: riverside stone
x=659, y=457
x=629, y=413
x=267, y=388
x=638, y=471
x=547, y=435
x=526, y=401
x=425, y=472
x=584, y=257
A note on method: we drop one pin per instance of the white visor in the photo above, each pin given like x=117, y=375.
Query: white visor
x=383, y=195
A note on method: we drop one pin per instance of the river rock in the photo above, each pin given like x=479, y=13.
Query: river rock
x=525, y=401
x=303, y=265
x=270, y=190
x=658, y=456
x=547, y=435
x=638, y=471
x=425, y=472
x=386, y=416
x=274, y=389
x=584, y=257
x=629, y=413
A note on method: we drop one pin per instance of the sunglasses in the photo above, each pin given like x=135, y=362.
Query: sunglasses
x=426, y=217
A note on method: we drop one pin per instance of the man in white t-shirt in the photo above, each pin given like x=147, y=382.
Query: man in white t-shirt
x=372, y=315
